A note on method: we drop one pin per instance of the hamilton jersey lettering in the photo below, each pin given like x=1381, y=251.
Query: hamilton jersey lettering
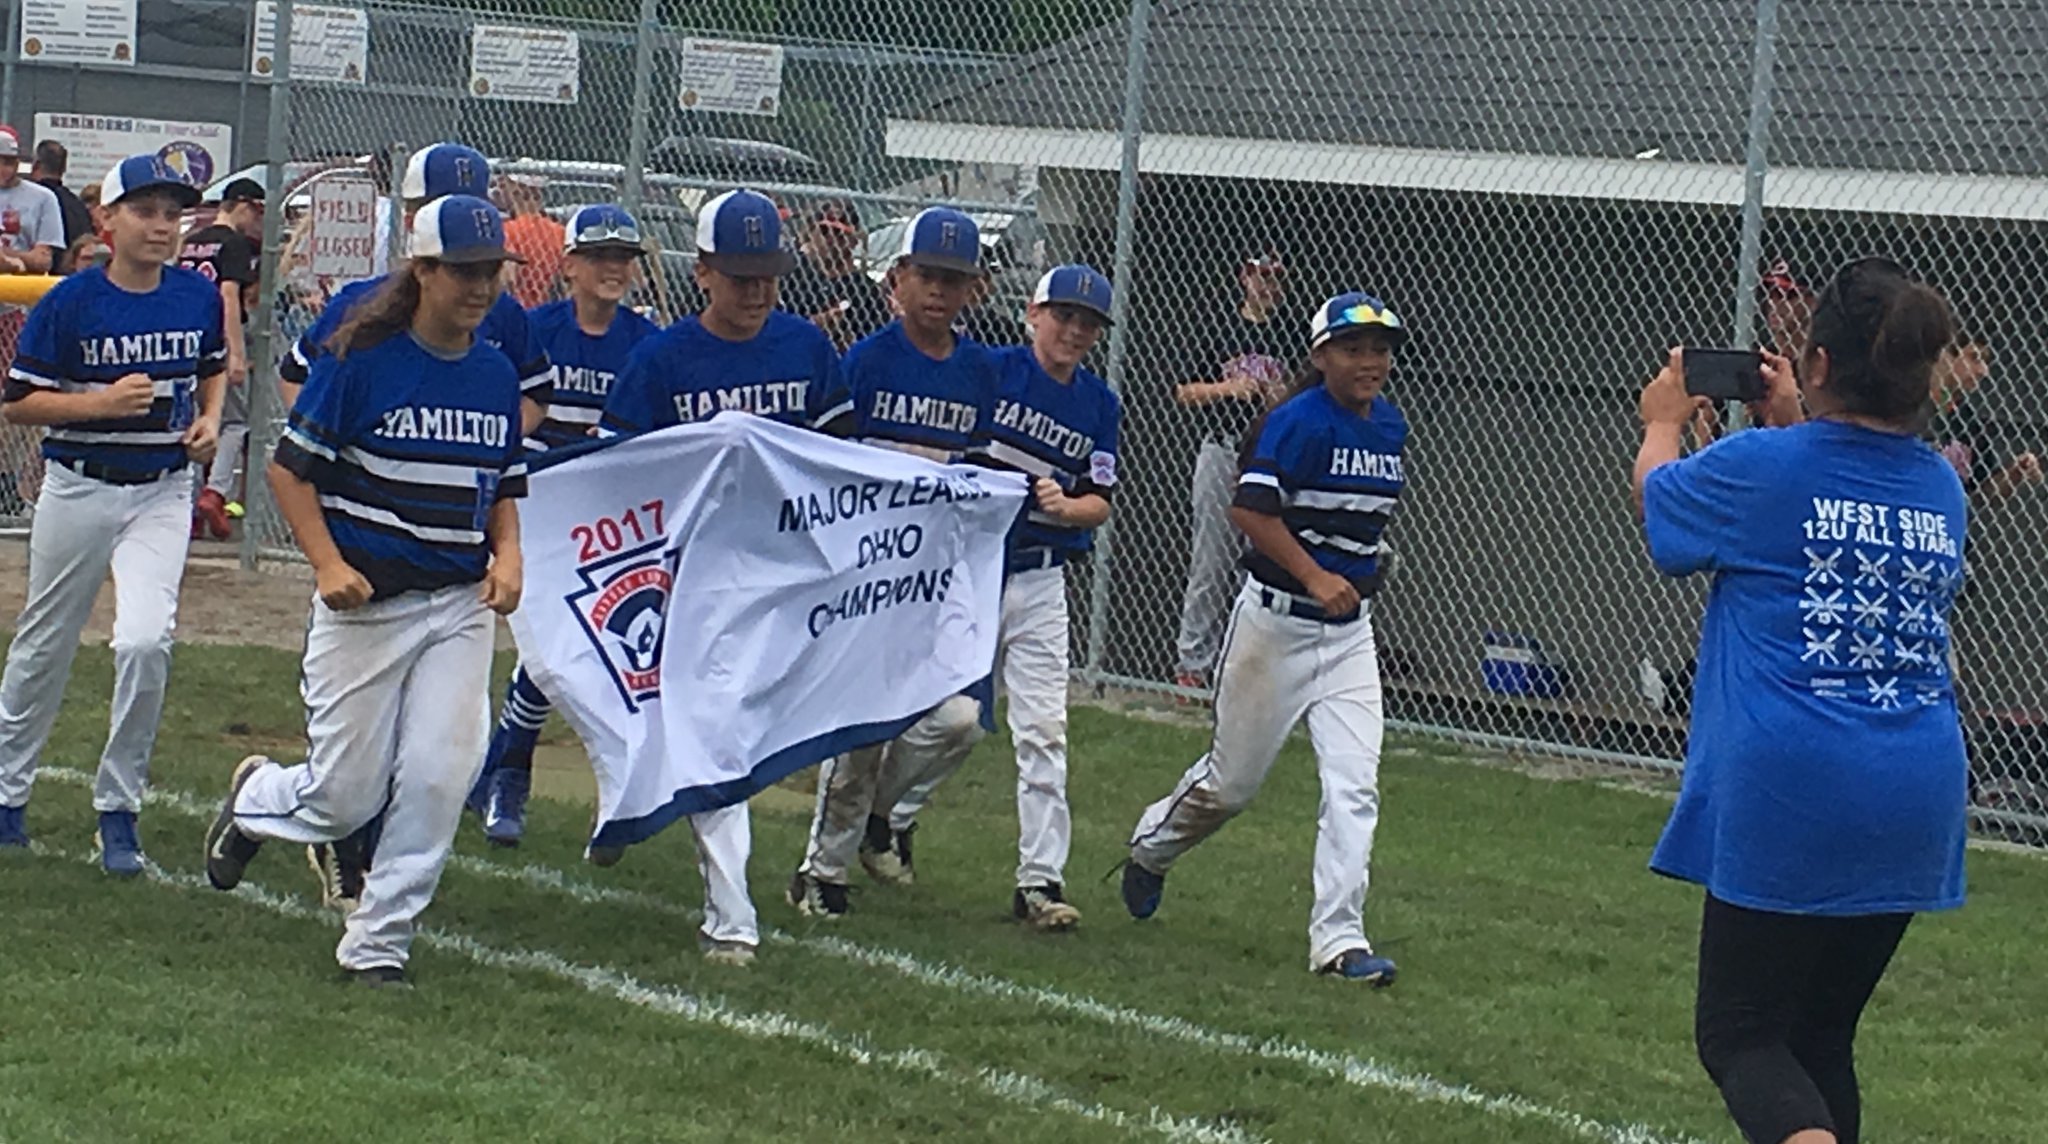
x=88, y=333
x=904, y=399
x=1063, y=431
x=787, y=372
x=1334, y=477
x=463, y=426
x=581, y=381
x=906, y=409
x=1361, y=463
x=586, y=368
x=1041, y=427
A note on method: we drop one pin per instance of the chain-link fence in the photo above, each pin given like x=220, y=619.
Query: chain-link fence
x=1549, y=192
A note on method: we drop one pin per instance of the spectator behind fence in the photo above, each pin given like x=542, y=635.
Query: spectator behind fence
x=1250, y=362
x=50, y=164
x=829, y=286
x=1960, y=435
x=31, y=222
x=228, y=254
x=533, y=236
x=1825, y=786
x=91, y=198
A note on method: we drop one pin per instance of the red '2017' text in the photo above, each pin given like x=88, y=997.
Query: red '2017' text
x=612, y=533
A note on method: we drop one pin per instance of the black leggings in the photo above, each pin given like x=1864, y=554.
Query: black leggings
x=1780, y=995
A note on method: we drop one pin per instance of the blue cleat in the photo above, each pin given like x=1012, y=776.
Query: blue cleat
x=479, y=800
x=120, y=845
x=505, y=820
x=14, y=826
x=1361, y=965
x=1142, y=889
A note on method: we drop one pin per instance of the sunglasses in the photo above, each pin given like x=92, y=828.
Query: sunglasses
x=603, y=233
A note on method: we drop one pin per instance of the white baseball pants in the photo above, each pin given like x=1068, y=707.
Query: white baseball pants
x=234, y=437
x=848, y=784
x=397, y=714
x=83, y=529
x=725, y=838
x=1031, y=663
x=1214, y=544
x=1276, y=669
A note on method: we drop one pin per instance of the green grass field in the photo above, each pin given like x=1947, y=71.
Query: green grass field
x=1544, y=996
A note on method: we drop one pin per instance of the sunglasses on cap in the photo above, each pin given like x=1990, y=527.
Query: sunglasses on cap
x=605, y=234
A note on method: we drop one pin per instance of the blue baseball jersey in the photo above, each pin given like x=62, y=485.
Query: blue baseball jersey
x=87, y=333
x=409, y=450
x=905, y=400
x=585, y=367
x=505, y=329
x=1334, y=477
x=788, y=372
x=1825, y=772
x=1066, y=431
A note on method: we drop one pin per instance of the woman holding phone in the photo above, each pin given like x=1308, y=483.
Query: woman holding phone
x=1825, y=784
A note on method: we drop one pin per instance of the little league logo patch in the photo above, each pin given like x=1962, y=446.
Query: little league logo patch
x=620, y=608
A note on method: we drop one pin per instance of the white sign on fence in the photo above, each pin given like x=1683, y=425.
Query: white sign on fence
x=197, y=151
x=536, y=65
x=730, y=75
x=345, y=228
x=328, y=44
x=78, y=31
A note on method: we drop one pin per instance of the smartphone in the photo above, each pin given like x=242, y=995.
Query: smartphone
x=1724, y=375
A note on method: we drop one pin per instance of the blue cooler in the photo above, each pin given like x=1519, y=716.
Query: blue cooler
x=1515, y=665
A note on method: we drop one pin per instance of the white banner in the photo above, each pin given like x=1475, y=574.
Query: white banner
x=733, y=76
x=536, y=65
x=329, y=44
x=198, y=151
x=716, y=606
x=78, y=31
x=344, y=228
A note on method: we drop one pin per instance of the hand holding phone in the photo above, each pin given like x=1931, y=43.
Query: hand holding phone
x=1724, y=374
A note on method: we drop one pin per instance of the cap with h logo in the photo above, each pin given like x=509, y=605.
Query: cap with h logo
x=143, y=173
x=740, y=233
x=1347, y=313
x=601, y=227
x=1074, y=285
x=445, y=169
x=460, y=228
x=942, y=238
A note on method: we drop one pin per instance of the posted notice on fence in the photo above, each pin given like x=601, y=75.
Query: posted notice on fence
x=533, y=65
x=345, y=228
x=731, y=75
x=329, y=44
x=78, y=31
x=196, y=151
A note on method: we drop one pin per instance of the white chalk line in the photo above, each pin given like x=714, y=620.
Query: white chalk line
x=1013, y=1087
x=1359, y=1072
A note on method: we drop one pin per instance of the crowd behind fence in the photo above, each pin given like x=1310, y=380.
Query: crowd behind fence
x=1549, y=193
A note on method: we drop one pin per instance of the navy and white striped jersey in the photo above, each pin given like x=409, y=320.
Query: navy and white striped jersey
x=505, y=329
x=1334, y=477
x=585, y=367
x=87, y=333
x=905, y=400
x=1063, y=430
x=409, y=450
x=788, y=372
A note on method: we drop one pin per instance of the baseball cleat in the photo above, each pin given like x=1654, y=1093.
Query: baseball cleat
x=738, y=954
x=505, y=820
x=119, y=845
x=378, y=977
x=14, y=826
x=228, y=850
x=816, y=899
x=235, y=510
x=1045, y=908
x=885, y=853
x=1361, y=964
x=479, y=800
x=212, y=509
x=1142, y=889
x=341, y=880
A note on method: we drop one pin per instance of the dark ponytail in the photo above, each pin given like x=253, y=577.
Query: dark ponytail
x=1883, y=331
x=387, y=312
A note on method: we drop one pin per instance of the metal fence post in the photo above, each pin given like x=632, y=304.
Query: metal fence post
x=7, y=67
x=1135, y=53
x=1762, y=86
x=263, y=395
x=630, y=192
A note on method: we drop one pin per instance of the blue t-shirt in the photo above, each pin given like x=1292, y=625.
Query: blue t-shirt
x=87, y=333
x=585, y=367
x=1066, y=431
x=1825, y=771
x=409, y=450
x=904, y=400
x=788, y=372
x=1334, y=477
x=505, y=329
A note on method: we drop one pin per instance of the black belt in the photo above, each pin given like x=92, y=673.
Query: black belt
x=107, y=474
x=1301, y=607
x=1032, y=559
